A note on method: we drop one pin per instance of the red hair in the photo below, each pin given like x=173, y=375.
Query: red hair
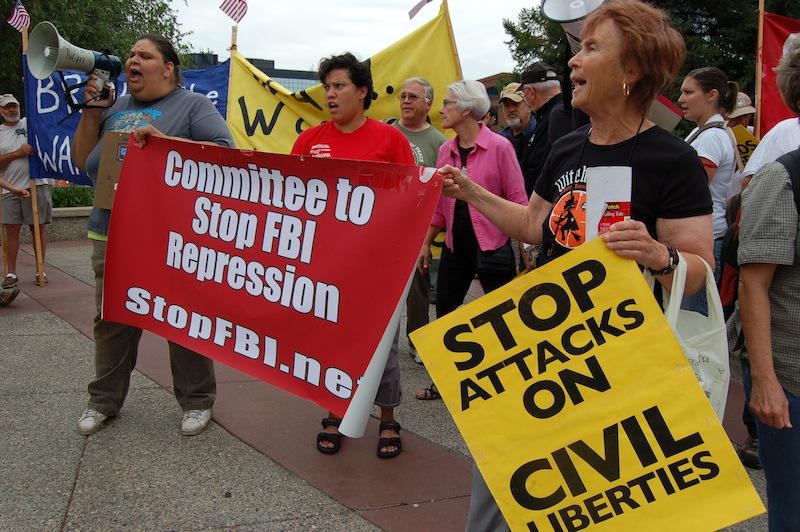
x=651, y=47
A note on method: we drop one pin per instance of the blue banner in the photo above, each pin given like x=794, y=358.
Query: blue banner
x=52, y=124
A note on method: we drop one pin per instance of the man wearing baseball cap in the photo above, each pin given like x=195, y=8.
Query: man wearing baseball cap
x=517, y=117
x=18, y=210
x=541, y=86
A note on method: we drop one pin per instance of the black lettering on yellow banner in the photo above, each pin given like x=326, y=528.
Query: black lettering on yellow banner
x=579, y=407
x=258, y=122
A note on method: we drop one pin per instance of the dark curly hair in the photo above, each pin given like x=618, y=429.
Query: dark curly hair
x=360, y=74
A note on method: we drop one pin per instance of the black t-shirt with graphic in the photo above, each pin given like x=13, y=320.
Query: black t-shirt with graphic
x=668, y=182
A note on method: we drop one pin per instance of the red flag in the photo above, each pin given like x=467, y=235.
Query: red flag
x=778, y=31
x=235, y=9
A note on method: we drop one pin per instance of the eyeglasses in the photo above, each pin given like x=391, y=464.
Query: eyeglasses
x=410, y=96
x=447, y=102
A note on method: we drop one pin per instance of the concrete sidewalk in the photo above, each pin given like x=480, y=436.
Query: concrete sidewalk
x=256, y=467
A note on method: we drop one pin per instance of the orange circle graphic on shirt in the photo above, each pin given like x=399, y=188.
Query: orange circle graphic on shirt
x=568, y=219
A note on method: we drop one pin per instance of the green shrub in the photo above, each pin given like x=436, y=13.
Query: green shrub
x=73, y=196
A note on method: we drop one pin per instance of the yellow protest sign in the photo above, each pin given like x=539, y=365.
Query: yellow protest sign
x=579, y=407
x=745, y=142
x=265, y=116
x=437, y=245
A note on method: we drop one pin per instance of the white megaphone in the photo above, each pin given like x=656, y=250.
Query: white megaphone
x=49, y=52
x=570, y=14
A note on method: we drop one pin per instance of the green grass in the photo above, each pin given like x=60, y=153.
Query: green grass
x=72, y=196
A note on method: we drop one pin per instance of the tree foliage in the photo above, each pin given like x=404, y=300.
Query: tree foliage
x=534, y=38
x=107, y=25
x=722, y=33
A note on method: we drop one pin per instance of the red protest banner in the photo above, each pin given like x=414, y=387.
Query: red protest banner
x=777, y=31
x=285, y=268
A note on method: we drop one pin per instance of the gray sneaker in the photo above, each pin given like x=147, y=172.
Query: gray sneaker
x=415, y=354
x=90, y=422
x=195, y=421
x=9, y=282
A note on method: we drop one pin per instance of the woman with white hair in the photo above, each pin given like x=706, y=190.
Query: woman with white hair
x=473, y=244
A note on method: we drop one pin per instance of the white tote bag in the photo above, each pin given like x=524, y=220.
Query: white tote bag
x=702, y=338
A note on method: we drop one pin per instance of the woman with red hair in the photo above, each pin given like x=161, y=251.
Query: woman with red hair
x=629, y=54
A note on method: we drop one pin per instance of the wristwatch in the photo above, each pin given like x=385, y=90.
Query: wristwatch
x=671, y=265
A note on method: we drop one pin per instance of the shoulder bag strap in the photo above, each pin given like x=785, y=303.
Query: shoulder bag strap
x=707, y=125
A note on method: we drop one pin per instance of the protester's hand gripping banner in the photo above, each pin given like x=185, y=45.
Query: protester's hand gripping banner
x=285, y=268
x=579, y=406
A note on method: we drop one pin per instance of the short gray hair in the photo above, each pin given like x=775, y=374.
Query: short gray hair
x=425, y=85
x=471, y=96
x=546, y=86
x=788, y=76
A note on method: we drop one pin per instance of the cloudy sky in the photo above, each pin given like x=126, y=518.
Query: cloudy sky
x=296, y=34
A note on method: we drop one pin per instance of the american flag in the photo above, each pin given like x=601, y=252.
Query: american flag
x=19, y=17
x=235, y=9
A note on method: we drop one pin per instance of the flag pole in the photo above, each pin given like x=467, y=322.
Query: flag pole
x=234, y=31
x=37, y=240
x=759, y=66
x=453, y=37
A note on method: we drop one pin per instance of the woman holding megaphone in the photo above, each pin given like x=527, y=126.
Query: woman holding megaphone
x=156, y=106
x=628, y=55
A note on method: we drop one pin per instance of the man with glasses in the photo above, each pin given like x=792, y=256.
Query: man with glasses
x=416, y=98
x=542, y=89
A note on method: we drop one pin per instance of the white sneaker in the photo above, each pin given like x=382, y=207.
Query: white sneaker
x=195, y=421
x=90, y=422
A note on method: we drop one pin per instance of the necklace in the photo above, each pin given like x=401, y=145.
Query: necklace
x=630, y=154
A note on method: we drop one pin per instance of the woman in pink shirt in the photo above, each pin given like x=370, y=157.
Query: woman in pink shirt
x=473, y=244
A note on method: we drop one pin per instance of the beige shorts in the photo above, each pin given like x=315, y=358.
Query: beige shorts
x=19, y=211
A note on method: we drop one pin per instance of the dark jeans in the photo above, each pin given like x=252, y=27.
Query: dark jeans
x=779, y=451
x=748, y=418
x=115, y=349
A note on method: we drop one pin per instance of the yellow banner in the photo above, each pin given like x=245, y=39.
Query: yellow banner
x=579, y=406
x=265, y=116
x=746, y=142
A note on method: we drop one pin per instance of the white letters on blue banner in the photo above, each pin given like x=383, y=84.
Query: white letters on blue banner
x=52, y=124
